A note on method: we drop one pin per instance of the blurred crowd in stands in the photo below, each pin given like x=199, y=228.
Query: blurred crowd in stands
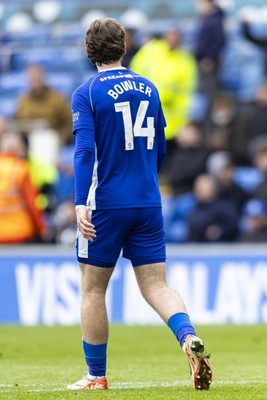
x=212, y=80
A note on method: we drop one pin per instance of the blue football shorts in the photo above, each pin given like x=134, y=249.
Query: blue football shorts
x=138, y=232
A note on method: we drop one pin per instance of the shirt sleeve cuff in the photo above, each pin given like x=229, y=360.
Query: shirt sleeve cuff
x=79, y=206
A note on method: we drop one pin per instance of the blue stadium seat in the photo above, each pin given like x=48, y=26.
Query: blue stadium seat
x=38, y=34
x=183, y=205
x=175, y=212
x=8, y=105
x=242, y=69
x=69, y=34
x=12, y=82
x=259, y=29
x=182, y=8
x=52, y=58
x=230, y=69
x=248, y=177
x=64, y=82
x=198, y=107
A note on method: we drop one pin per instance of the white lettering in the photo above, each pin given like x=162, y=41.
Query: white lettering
x=67, y=309
x=192, y=284
x=199, y=291
x=141, y=87
x=118, y=89
x=148, y=91
x=113, y=94
x=48, y=294
x=127, y=85
x=135, y=87
x=240, y=292
x=236, y=292
x=30, y=288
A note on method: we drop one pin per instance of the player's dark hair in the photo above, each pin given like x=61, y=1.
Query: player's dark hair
x=105, y=41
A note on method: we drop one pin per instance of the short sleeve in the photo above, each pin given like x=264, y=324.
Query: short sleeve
x=82, y=114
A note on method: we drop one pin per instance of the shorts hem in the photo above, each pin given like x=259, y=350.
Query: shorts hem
x=96, y=263
x=138, y=263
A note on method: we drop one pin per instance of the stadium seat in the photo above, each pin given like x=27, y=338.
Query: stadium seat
x=134, y=18
x=8, y=105
x=183, y=8
x=2, y=10
x=46, y=11
x=88, y=17
x=51, y=58
x=198, y=107
x=12, y=82
x=18, y=23
x=68, y=34
x=177, y=232
x=35, y=35
x=230, y=70
x=248, y=177
x=64, y=82
x=242, y=69
x=175, y=212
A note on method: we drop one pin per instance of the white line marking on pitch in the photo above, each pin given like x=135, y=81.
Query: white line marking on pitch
x=124, y=385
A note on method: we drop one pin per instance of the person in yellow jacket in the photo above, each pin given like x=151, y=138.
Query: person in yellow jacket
x=174, y=72
x=20, y=218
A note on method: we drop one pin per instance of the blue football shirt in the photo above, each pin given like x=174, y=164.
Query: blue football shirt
x=121, y=112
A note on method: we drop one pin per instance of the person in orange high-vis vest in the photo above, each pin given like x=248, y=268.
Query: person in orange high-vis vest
x=20, y=218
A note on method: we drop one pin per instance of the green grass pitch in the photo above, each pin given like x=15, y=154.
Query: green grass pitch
x=143, y=363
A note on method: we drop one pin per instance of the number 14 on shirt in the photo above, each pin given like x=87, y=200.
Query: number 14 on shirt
x=131, y=130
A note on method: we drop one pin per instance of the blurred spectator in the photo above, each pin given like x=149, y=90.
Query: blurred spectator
x=259, y=152
x=221, y=167
x=185, y=160
x=220, y=123
x=64, y=185
x=64, y=216
x=249, y=121
x=173, y=71
x=131, y=47
x=254, y=222
x=21, y=220
x=258, y=113
x=259, y=41
x=43, y=175
x=214, y=219
x=3, y=127
x=43, y=103
x=228, y=127
x=65, y=223
x=210, y=41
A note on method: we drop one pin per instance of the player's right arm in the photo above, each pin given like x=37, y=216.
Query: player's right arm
x=84, y=156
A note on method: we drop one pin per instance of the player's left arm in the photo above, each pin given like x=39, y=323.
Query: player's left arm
x=161, y=149
x=161, y=141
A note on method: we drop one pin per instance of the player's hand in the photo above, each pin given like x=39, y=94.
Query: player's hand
x=84, y=224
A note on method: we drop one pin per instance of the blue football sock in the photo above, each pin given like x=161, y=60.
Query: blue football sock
x=181, y=326
x=96, y=358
